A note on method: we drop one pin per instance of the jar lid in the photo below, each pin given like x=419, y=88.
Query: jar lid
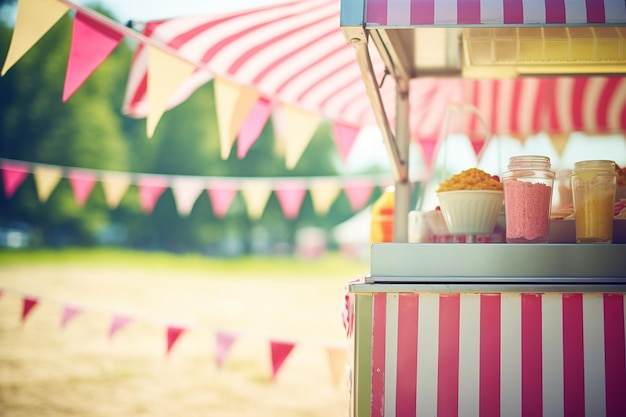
x=596, y=165
x=529, y=161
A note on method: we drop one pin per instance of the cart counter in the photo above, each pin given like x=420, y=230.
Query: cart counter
x=538, y=340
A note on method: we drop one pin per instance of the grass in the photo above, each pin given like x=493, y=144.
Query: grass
x=330, y=264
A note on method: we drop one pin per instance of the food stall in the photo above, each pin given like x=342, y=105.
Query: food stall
x=453, y=329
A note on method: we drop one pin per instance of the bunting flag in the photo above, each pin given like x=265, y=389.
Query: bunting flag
x=290, y=191
x=358, y=194
x=256, y=195
x=224, y=341
x=221, y=195
x=279, y=352
x=290, y=198
x=115, y=185
x=69, y=313
x=253, y=126
x=46, y=180
x=345, y=135
x=337, y=360
x=336, y=352
x=28, y=304
x=166, y=74
x=117, y=323
x=186, y=192
x=13, y=175
x=82, y=183
x=92, y=43
x=173, y=333
x=324, y=193
x=150, y=190
x=301, y=126
x=559, y=142
x=233, y=104
x=34, y=19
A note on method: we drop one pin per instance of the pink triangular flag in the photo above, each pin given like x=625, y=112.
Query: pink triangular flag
x=68, y=314
x=253, y=126
x=345, y=136
x=290, y=198
x=279, y=351
x=82, y=183
x=150, y=190
x=478, y=146
x=358, y=193
x=221, y=196
x=117, y=323
x=224, y=342
x=27, y=306
x=428, y=150
x=173, y=333
x=13, y=175
x=92, y=43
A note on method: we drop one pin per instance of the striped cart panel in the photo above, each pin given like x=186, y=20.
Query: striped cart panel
x=494, y=12
x=489, y=354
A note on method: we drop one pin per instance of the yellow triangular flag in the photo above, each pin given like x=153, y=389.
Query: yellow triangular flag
x=34, y=19
x=324, y=192
x=115, y=186
x=166, y=72
x=46, y=179
x=559, y=141
x=186, y=192
x=233, y=103
x=337, y=359
x=256, y=194
x=301, y=125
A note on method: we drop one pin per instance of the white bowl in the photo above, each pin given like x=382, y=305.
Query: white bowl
x=471, y=211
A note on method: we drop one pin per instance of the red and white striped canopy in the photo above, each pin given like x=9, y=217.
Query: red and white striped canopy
x=295, y=53
x=494, y=12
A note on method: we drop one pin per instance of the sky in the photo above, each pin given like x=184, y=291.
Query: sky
x=143, y=10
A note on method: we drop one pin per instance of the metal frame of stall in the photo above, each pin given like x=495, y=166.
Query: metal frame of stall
x=479, y=329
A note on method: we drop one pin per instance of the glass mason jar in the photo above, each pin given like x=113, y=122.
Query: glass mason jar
x=528, y=198
x=593, y=190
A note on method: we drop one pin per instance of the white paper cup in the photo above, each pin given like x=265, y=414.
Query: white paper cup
x=471, y=211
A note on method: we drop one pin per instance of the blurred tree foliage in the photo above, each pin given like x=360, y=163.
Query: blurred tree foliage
x=89, y=131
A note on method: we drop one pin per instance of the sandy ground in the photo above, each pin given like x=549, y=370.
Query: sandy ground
x=47, y=370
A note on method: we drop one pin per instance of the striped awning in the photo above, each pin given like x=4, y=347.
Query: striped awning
x=494, y=12
x=295, y=54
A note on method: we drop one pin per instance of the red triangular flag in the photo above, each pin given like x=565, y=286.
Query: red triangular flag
x=279, y=351
x=345, y=136
x=68, y=314
x=13, y=175
x=358, y=193
x=150, y=190
x=28, y=304
x=224, y=342
x=478, y=146
x=221, y=197
x=253, y=126
x=92, y=43
x=428, y=150
x=116, y=324
x=290, y=199
x=82, y=183
x=173, y=333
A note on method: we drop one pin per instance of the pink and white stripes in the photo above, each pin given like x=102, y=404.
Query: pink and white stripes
x=498, y=354
x=494, y=12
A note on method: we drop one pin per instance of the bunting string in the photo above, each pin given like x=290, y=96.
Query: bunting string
x=173, y=330
x=186, y=189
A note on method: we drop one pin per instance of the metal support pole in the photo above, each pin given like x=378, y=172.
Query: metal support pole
x=402, y=183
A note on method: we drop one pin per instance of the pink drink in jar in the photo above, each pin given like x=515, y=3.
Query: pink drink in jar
x=528, y=198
